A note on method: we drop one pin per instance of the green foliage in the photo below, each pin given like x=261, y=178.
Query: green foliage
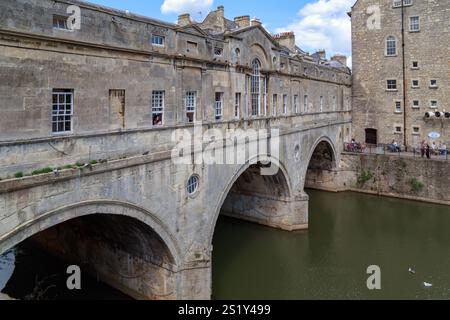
x=79, y=164
x=365, y=176
x=416, y=185
x=93, y=162
x=42, y=171
x=19, y=174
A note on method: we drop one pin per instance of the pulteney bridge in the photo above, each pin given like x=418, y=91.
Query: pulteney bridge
x=133, y=222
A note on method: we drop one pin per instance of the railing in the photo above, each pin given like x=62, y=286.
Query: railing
x=385, y=149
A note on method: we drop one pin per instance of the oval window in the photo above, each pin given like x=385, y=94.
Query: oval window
x=192, y=185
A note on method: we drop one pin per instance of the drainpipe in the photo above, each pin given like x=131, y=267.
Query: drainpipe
x=404, y=78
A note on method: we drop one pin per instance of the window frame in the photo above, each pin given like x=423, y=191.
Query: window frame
x=190, y=105
x=285, y=104
x=388, y=46
x=56, y=113
x=237, y=105
x=394, y=83
x=158, y=106
x=218, y=106
x=398, y=106
x=415, y=24
x=157, y=36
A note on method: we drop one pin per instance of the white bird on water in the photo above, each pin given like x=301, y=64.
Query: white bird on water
x=412, y=271
x=427, y=285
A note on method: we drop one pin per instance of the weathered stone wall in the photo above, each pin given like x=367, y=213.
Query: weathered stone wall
x=409, y=178
x=374, y=105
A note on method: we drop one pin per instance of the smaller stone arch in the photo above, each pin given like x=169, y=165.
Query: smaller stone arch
x=323, y=159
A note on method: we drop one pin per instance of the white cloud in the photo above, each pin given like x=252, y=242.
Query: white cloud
x=186, y=6
x=323, y=24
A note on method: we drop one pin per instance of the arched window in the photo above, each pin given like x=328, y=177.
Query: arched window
x=256, y=87
x=391, y=46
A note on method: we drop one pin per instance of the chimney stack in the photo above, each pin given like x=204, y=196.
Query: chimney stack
x=321, y=54
x=286, y=39
x=221, y=11
x=256, y=22
x=242, y=21
x=184, y=20
x=340, y=58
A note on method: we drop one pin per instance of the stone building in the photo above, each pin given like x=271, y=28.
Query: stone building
x=121, y=72
x=401, y=83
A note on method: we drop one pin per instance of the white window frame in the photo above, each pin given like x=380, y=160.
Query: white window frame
x=398, y=126
x=418, y=104
x=436, y=102
x=296, y=103
x=305, y=103
x=391, y=89
x=190, y=103
x=418, y=131
x=158, y=40
x=158, y=105
x=62, y=110
x=255, y=88
x=389, y=41
x=218, y=106
x=61, y=23
x=415, y=86
x=285, y=104
x=398, y=106
x=237, y=105
x=274, y=105
x=414, y=24
x=433, y=86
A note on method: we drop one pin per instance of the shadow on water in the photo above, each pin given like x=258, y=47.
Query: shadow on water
x=28, y=273
x=348, y=232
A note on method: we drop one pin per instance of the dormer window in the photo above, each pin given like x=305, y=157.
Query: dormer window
x=398, y=3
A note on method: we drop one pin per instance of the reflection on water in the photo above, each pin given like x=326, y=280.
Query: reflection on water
x=35, y=275
x=348, y=232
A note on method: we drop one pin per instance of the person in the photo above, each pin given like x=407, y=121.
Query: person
x=443, y=149
x=434, y=148
x=427, y=151
x=423, y=147
x=157, y=121
x=394, y=147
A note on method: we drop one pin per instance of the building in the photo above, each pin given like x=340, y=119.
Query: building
x=401, y=67
x=120, y=72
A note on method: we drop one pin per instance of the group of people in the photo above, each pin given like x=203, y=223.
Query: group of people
x=428, y=150
x=354, y=146
x=394, y=147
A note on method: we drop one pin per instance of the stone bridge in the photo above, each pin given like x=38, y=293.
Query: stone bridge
x=131, y=220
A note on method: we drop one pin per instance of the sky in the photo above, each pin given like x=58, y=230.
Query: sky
x=318, y=24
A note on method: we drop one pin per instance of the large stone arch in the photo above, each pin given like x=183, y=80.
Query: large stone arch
x=102, y=207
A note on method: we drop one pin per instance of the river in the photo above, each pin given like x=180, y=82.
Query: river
x=348, y=233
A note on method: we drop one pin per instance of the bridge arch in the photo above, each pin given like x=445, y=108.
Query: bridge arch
x=323, y=157
x=281, y=179
x=125, y=245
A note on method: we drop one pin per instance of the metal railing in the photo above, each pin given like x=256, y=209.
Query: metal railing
x=384, y=149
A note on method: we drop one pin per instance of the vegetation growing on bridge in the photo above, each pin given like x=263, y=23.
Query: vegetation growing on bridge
x=416, y=185
x=365, y=176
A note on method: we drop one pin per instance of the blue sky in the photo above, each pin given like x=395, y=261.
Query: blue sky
x=318, y=24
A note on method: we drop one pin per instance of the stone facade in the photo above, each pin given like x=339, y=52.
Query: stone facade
x=399, y=114
x=115, y=91
x=114, y=63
